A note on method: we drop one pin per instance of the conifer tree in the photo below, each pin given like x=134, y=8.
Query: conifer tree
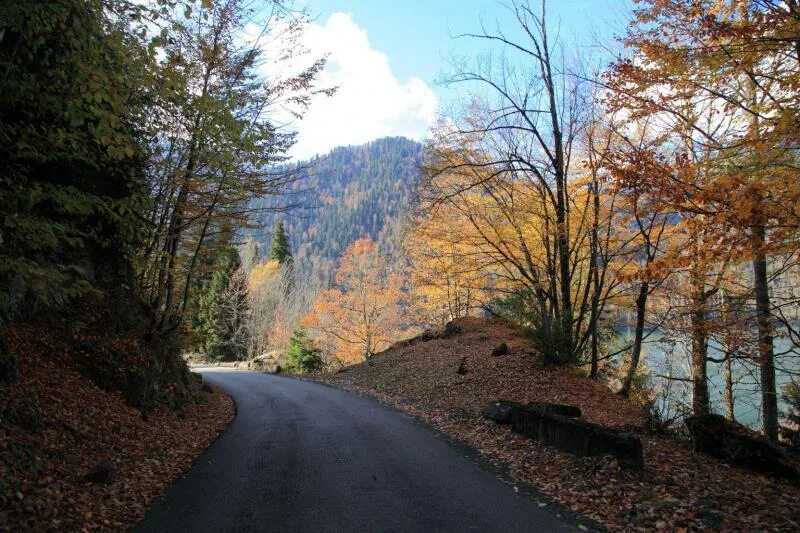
x=302, y=356
x=221, y=309
x=280, y=250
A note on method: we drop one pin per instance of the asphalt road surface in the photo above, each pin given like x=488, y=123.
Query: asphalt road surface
x=300, y=456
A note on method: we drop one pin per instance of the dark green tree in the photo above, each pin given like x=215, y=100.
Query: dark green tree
x=73, y=78
x=207, y=321
x=221, y=318
x=280, y=250
x=302, y=356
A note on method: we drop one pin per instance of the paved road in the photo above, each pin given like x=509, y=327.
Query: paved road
x=300, y=456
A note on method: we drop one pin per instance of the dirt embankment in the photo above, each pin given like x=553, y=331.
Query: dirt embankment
x=59, y=431
x=678, y=490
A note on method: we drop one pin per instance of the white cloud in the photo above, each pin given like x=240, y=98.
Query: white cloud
x=370, y=101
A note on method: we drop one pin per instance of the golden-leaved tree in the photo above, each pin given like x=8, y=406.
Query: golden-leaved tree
x=362, y=314
x=721, y=78
x=280, y=294
x=448, y=278
x=492, y=223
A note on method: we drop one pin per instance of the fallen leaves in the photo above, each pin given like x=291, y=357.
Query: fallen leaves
x=73, y=427
x=677, y=491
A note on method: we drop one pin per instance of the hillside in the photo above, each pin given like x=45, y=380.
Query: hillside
x=77, y=457
x=351, y=192
x=678, y=490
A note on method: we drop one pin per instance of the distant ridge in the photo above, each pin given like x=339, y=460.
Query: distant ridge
x=350, y=192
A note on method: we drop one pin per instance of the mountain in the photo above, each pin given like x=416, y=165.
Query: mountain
x=353, y=191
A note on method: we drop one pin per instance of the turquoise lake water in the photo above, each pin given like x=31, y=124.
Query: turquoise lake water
x=670, y=357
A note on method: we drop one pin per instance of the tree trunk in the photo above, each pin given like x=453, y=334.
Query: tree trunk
x=595, y=278
x=564, y=279
x=729, y=341
x=729, y=402
x=641, y=309
x=595, y=352
x=769, y=397
x=699, y=345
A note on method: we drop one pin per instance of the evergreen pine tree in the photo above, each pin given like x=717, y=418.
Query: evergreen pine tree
x=208, y=319
x=280, y=251
x=302, y=357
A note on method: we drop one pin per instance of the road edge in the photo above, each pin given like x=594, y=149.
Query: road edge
x=153, y=501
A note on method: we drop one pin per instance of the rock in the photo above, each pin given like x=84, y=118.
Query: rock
x=556, y=409
x=735, y=444
x=267, y=362
x=428, y=335
x=272, y=356
x=450, y=330
x=501, y=349
x=578, y=436
x=500, y=410
x=462, y=367
x=101, y=473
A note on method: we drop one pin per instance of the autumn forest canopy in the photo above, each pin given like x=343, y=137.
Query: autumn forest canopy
x=649, y=199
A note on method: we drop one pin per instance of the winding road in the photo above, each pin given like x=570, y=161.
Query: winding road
x=301, y=456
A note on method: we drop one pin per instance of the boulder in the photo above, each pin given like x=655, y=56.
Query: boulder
x=450, y=330
x=578, y=436
x=267, y=357
x=735, y=444
x=101, y=473
x=500, y=410
x=265, y=366
x=501, y=349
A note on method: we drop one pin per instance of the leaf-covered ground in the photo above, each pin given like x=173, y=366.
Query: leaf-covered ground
x=55, y=425
x=678, y=490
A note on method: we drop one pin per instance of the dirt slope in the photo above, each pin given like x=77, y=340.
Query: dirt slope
x=55, y=425
x=678, y=489
x=428, y=371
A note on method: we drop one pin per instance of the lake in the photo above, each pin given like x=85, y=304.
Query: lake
x=667, y=356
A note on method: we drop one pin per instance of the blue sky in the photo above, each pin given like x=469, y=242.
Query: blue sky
x=387, y=57
x=416, y=34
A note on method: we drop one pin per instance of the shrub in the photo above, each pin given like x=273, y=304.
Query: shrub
x=302, y=356
x=520, y=307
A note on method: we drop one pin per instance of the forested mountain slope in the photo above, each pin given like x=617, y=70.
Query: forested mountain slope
x=352, y=192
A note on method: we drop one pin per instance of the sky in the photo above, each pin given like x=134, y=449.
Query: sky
x=388, y=60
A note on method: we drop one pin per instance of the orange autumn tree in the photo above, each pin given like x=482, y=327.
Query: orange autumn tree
x=362, y=314
x=722, y=78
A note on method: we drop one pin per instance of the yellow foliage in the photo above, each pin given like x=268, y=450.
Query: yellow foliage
x=262, y=273
x=362, y=314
